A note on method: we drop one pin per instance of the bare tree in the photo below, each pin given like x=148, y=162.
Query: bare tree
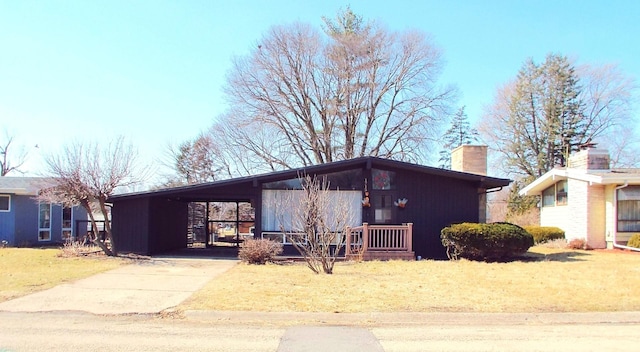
x=199, y=160
x=551, y=109
x=86, y=175
x=304, y=97
x=10, y=159
x=315, y=220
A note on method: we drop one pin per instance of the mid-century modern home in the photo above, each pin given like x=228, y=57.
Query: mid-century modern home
x=589, y=200
x=399, y=208
x=26, y=222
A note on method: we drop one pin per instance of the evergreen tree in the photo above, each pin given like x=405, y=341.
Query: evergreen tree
x=458, y=134
x=539, y=119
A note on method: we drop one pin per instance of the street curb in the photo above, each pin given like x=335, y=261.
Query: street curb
x=297, y=318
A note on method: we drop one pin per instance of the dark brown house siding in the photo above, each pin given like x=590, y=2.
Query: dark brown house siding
x=156, y=221
x=130, y=225
x=167, y=226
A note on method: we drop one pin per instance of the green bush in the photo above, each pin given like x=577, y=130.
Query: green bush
x=259, y=251
x=489, y=242
x=543, y=234
x=634, y=241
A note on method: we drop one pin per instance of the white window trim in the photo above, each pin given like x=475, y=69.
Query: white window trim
x=44, y=228
x=63, y=229
x=9, y=208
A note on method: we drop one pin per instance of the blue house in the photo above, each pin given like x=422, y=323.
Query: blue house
x=24, y=221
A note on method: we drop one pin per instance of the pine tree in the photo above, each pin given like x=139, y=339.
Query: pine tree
x=458, y=134
x=544, y=117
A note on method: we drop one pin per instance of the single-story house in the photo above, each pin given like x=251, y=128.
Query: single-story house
x=26, y=222
x=589, y=200
x=389, y=198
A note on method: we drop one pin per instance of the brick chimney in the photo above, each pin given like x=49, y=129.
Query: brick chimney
x=590, y=158
x=470, y=158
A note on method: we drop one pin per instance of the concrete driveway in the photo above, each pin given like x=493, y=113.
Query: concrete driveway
x=145, y=287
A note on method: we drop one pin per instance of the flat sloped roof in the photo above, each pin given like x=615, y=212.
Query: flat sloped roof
x=362, y=162
x=22, y=185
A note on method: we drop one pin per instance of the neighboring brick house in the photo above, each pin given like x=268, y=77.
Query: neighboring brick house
x=26, y=222
x=589, y=200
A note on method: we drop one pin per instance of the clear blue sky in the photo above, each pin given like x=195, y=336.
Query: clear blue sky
x=154, y=70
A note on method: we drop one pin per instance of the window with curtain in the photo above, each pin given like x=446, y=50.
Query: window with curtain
x=629, y=209
x=277, y=207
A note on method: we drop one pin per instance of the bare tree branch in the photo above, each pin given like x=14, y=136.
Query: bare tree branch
x=10, y=159
x=86, y=175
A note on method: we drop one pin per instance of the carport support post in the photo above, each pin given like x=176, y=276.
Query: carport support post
x=237, y=224
x=206, y=229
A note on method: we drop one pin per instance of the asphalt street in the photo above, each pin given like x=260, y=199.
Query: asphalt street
x=73, y=331
x=132, y=308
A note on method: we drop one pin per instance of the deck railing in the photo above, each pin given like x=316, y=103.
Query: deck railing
x=373, y=238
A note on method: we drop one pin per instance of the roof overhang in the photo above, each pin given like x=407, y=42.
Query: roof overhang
x=597, y=177
x=17, y=191
x=482, y=181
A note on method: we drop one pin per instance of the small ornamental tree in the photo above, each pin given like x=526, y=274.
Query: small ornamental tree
x=86, y=175
x=316, y=221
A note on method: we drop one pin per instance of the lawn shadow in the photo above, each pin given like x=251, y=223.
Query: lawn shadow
x=565, y=256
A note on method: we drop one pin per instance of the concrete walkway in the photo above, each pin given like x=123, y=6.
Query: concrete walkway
x=145, y=287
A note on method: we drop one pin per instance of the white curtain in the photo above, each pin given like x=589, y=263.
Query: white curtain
x=277, y=207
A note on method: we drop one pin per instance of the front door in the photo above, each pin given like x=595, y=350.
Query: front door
x=384, y=212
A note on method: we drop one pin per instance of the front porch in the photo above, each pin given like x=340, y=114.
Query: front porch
x=380, y=242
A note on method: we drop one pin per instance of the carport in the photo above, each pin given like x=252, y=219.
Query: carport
x=184, y=217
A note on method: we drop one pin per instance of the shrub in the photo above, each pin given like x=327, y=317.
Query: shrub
x=485, y=241
x=543, y=234
x=634, y=241
x=577, y=243
x=259, y=251
x=78, y=249
x=559, y=243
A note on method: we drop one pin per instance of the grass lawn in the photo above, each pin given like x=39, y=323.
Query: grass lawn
x=26, y=270
x=549, y=280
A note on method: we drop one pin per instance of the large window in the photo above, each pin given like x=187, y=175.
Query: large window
x=343, y=180
x=629, y=209
x=44, y=222
x=555, y=195
x=67, y=227
x=5, y=203
x=279, y=210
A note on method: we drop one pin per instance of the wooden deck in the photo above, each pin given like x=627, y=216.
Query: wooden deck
x=380, y=242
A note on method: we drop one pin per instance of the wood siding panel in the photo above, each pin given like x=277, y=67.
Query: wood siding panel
x=130, y=225
x=8, y=223
x=434, y=203
x=168, y=225
x=26, y=221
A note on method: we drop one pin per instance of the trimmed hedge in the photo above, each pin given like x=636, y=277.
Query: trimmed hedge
x=634, y=241
x=543, y=234
x=496, y=241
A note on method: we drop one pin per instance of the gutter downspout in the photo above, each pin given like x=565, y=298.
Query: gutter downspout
x=615, y=201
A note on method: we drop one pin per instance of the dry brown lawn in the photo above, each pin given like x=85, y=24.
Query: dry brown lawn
x=548, y=280
x=26, y=270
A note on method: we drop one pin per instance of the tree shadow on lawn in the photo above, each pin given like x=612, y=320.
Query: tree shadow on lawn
x=566, y=256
